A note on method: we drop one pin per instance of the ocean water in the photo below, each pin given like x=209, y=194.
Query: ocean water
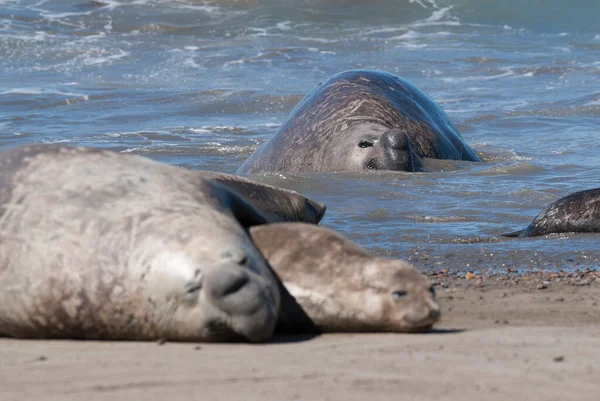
x=201, y=84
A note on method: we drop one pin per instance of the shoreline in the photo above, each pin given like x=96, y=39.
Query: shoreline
x=533, y=336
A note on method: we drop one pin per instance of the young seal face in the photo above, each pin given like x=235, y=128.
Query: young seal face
x=100, y=245
x=361, y=120
x=342, y=288
x=578, y=212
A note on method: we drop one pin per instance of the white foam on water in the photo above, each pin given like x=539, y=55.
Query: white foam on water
x=125, y=134
x=383, y=30
x=411, y=45
x=203, y=8
x=52, y=16
x=256, y=32
x=440, y=16
x=508, y=72
x=438, y=219
x=96, y=60
x=425, y=3
x=86, y=40
x=131, y=150
x=228, y=149
x=186, y=57
x=37, y=36
x=410, y=34
x=284, y=25
x=49, y=141
x=318, y=40
x=42, y=91
x=111, y=4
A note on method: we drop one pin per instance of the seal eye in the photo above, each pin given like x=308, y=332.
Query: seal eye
x=432, y=291
x=398, y=294
x=365, y=144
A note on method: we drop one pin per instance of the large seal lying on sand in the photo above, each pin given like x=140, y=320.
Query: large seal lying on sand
x=338, y=287
x=578, y=212
x=100, y=245
x=360, y=120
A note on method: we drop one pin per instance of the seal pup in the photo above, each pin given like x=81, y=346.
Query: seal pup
x=100, y=245
x=361, y=120
x=578, y=212
x=338, y=287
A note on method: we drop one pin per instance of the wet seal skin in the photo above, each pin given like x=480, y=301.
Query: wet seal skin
x=277, y=204
x=100, y=245
x=578, y=212
x=361, y=120
x=333, y=285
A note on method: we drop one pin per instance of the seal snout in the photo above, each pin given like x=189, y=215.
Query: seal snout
x=424, y=311
x=396, y=151
x=396, y=139
x=243, y=296
x=228, y=282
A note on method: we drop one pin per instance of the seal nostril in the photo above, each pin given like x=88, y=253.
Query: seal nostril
x=235, y=255
x=371, y=165
x=236, y=285
x=228, y=281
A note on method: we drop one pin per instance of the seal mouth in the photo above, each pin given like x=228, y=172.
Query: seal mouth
x=372, y=164
x=422, y=329
x=219, y=331
x=423, y=324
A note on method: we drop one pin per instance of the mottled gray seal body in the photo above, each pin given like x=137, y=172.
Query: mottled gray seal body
x=100, y=245
x=360, y=120
x=578, y=212
x=336, y=286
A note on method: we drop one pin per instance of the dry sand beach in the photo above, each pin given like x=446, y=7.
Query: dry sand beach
x=519, y=337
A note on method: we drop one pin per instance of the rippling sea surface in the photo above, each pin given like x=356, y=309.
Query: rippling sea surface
x=201, y=84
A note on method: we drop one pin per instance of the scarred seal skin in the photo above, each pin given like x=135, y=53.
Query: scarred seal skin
x=361, y=120
x=329, y=284
x=100, y=245
x=578, y=212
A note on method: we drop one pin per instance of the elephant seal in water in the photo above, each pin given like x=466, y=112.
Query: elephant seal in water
x=361, y=120
x=578, y=212
x=100, y=245
x=338, y=287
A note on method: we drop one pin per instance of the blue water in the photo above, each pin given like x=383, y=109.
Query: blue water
x=202, y=83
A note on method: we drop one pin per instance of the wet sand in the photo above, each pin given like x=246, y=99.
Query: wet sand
x=529, y=337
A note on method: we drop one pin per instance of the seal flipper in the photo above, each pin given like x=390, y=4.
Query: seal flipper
x=245, y=213
x=276, y=204
x=518, y=233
